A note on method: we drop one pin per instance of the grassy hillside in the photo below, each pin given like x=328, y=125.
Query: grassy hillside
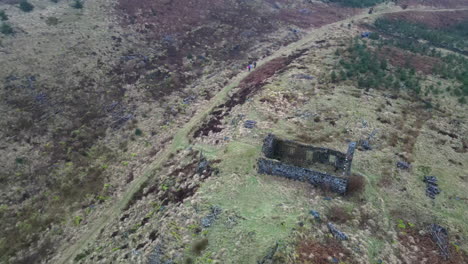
x=123, y=137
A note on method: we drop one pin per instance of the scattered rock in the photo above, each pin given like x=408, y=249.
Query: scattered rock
x=403, y=165
x=268, y=258
x=157, y=257
x=432, y=188
x=364, y=145
x=250, y=124
x=336, y=233
x=315, y=214
x=208, y=220
x=203, y=164
x=440, y=237
x=189, y=99
x=365, y=34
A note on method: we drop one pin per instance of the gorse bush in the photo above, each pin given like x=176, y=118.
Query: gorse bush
x=452, y=66
x=3, y=15
x=338, y=214
x=361, y=64
x=138, y=132
x=356, y=184
x=6, y=29
x=52, y=21
x=26, y=6
x=77, y=4
x=454, y=37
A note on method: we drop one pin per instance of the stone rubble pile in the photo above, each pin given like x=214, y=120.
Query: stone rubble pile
x=208, y=220
x=336, y=233
x=250, y=124
x=432, y=188
x=403, y=165
x=440, y=237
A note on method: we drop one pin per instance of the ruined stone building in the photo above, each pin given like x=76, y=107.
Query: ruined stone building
x=321, y=167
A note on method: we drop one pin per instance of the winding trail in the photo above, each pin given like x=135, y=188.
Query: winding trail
x=68, y=252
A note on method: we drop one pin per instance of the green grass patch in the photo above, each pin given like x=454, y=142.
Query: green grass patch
x=374, y=248
x=269, y=209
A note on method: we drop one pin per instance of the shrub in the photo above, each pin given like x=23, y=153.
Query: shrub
x=374, y=36
x=6, y=29
x=77, y=4
x=334, y=77
x=54, y=1
x=199, y=246
x=26, y=6
x=338, y=215
x=138, y=132
x=52, y=21
x=356, y=184
x=3, y=15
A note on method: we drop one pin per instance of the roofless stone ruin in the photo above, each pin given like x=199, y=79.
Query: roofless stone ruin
x=322, y=167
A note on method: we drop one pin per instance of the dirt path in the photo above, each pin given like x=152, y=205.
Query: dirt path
x=68, y=252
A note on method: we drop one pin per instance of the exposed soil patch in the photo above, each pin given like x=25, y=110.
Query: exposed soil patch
x=320, y=253
x=179, y=184
x=400, y=58
x=420, y=247
x=436, y=20
x=247, y=87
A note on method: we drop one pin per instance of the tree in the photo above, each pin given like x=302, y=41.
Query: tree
x=383, y=64
x=26, y=6
x=343, y=75
x=334, y=78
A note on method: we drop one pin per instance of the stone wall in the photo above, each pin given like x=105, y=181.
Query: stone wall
x=306, y=156
x=296, y=161
x=273, y=167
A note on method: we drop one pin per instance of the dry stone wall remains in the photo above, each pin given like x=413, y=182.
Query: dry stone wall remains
x=272, y=167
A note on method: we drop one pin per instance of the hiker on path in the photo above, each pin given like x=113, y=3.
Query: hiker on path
x=248, y=67
x=255, y=64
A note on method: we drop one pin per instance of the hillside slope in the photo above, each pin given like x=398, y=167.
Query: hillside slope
x=129, y=144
